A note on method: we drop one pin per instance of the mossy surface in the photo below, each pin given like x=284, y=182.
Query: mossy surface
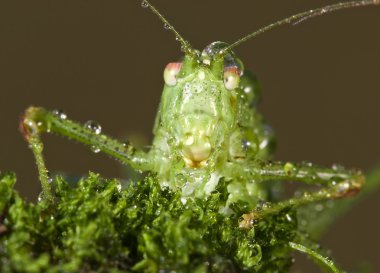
x=98, y=227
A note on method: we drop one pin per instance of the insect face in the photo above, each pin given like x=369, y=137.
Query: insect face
x=200, y=102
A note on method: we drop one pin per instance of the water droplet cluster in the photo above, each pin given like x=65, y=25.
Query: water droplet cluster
x=60, y=114
x=93, y=126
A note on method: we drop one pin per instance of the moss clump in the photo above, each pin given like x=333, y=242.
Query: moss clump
x=99, y=227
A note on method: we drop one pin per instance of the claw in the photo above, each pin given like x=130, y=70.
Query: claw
x=349, y=188
x=27, y=126
x=30, y=125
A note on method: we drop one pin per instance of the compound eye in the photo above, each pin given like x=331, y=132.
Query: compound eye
x=170, y=73
x=231, y=77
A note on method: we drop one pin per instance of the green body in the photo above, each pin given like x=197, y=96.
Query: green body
x=201, y=128
x=225, y=162
x=207, y=204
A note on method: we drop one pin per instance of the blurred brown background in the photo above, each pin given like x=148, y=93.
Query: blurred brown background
x=103, y=60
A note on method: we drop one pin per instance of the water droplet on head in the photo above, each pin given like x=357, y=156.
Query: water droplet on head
x=167, y=27
x=144, y=4
x=93, y=126
x=187, y=87
x=214, y=49
x=213, y=89
x=60, y=114
x=171, y=141
x=198, y=88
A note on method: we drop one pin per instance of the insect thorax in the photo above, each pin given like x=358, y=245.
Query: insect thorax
x=203, y=124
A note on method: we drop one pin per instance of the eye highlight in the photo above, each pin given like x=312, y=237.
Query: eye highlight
x=231, y=77
x=170, y=73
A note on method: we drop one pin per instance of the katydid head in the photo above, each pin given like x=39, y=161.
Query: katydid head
x=200, y=101
x=203, y=101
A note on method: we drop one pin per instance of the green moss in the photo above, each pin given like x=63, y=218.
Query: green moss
x=99, y=227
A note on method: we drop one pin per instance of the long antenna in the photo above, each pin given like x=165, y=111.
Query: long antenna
x=185, y=45
x=299, y=18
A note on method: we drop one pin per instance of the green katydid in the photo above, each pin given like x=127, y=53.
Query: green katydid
x=208, y=130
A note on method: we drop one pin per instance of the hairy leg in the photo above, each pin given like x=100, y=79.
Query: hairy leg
x=335, y=183
x=36, y=121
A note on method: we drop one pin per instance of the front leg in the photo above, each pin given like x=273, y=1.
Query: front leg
x=336, y=183
x=36, y=121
